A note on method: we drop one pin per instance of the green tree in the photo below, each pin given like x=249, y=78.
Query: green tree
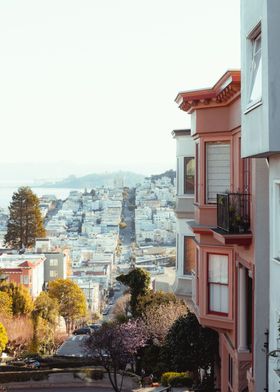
x=6, y=304
x=25, y=221
x=44, y=317
x=189, y=346
x=22, y=303
x=138, y=281
x=46, y=308
x=71, y=300
x=3, y=338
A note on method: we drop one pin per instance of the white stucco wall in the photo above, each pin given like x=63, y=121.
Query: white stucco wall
x=260, y=125
x=274, y=311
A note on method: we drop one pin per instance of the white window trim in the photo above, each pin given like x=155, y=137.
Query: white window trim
x=252, y=36
x=218, y=283
x=275, y=222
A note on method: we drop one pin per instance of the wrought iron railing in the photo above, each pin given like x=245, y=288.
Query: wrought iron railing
x=233, y=212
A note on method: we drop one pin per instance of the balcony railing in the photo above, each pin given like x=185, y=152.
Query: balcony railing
x=233, y=212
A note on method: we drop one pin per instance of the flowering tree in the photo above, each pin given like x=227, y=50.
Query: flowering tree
x=116, y=345
x=121, y=308
x=19, y=330
x=159, y=319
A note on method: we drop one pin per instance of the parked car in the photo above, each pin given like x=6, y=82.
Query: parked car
x=105, y=311
x=82, y=331
x=32, y=363
x=95, y=326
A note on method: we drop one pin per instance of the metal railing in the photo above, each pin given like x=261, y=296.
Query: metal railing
x=233, y=212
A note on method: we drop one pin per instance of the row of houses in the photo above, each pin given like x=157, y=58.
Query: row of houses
x=33, y=269
x=155, y=221
x=227, y=207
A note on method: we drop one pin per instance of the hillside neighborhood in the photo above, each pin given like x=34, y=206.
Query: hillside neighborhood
x=159, y=283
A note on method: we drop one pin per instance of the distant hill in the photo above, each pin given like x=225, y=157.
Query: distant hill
x=169, y=173
x=96, y=180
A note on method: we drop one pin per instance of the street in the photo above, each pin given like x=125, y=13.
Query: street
x=73, y=346
x=65, y=389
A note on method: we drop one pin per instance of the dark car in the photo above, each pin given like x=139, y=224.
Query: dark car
x=83, y=331
x=95, y=327
x=32, y=363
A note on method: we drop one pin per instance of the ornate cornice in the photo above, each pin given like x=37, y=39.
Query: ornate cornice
x=222, y=93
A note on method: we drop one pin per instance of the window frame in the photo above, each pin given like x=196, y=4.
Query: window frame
x=210, y=311
x=197, y=173
x=227, y=142
x=186, y=175
x=253, y=37
x=275, y=221
x=53, y=262
x=53, y=273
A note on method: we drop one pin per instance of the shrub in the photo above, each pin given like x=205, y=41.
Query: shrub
x=180, y=381
x=176, y=379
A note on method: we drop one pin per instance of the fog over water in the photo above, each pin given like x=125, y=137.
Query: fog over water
x=6, y=193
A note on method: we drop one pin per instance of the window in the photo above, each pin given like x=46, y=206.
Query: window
x=255, y=87
x=218, y=283
x=53, y=273
x=189, y=167
x=276, y=220
x=230, y=372
x=53, y=262
x=189, y=255
x=217, y=170
x=24, y=279
x=196, y=171
x=177, y=177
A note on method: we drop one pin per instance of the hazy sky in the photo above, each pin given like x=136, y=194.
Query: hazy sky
x=93, y=82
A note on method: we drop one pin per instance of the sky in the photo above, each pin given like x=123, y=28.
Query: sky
x=89, y=85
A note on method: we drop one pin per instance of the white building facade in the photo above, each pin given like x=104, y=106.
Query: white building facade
x=260, y=33
x=185, y=177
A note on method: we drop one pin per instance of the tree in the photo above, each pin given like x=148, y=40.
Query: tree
x=44, y=318
x=138, y=280
x=25, y=222
x=19, y=330
x=22, y=303
x=116, y=345
x=71, y=300
x=154, y=299
x=3, y=338
x=46, y=308
x=160, y=318
x=189, y=346
x=6, y=304
x=121, y=309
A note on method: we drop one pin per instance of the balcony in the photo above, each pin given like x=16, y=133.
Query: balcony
x=233, y=218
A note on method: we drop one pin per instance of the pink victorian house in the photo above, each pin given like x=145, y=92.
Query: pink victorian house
x=224, y=230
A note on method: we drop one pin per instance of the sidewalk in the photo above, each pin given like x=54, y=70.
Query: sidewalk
x=158, y=389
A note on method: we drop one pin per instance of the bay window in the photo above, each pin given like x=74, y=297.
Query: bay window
x=218, y=291
x=189, y=167
x=217, y=170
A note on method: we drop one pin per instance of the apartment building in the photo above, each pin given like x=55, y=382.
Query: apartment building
x=229, y=234
x=26, y=269
x=260, y=61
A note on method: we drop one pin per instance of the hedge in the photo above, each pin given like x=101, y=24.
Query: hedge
x=39, y=375
x=176, y=379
